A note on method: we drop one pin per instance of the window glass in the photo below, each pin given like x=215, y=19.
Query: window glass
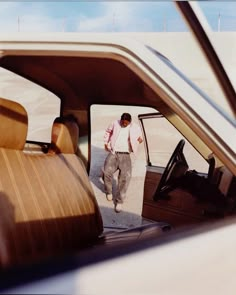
x=219, y=21
x=41, y=105
x=162, y=138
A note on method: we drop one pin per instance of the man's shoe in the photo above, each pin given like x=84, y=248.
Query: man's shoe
x=109, y=197
x=118, y=207
x=101, y=178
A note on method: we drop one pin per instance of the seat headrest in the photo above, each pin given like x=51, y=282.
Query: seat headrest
x=14, y=124
x=65, y=135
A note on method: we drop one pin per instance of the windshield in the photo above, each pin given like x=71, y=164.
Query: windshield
x=216, y=47
x=192, y=84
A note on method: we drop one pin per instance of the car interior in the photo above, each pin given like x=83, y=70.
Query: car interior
x=50, y=217
x=48, y=205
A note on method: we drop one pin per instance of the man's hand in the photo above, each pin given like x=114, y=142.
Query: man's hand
x=140, y=140
x=106, y=147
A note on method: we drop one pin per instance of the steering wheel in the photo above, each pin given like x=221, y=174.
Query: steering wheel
x=176, y=157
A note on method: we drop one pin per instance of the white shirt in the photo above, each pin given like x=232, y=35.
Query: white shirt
x=122, y=141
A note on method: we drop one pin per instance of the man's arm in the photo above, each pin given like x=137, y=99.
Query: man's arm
x=107, y=136
x=139, y=133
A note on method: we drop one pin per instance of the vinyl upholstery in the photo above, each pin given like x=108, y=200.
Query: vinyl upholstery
x=47, y=204
x=65, y=136
x=14, y=124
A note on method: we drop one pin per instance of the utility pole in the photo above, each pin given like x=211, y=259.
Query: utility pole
x=63, y=24
x=164, y=24
x=113, y=22
x=219, y=16
x=18, y=24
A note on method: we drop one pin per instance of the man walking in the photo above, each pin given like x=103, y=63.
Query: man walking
x=121, y=138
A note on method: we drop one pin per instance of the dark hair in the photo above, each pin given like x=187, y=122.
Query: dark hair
x=126, y=116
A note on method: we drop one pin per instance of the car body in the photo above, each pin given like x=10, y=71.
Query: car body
x=198, y=253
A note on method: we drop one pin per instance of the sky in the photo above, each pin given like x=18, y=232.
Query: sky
x=108, y=16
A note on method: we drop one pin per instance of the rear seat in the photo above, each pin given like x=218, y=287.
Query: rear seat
x=47, y=204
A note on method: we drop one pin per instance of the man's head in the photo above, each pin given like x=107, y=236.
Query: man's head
x=125, y=119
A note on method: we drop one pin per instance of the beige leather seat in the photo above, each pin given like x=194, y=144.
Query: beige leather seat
x=47, y=204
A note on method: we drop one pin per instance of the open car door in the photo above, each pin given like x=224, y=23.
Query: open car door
x=175, y=174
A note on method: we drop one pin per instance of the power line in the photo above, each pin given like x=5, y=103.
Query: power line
x=219, y=16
